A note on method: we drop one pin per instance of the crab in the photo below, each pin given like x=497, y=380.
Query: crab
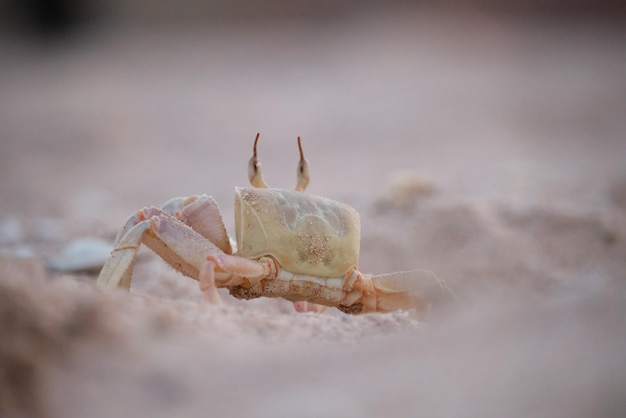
x=289, y=244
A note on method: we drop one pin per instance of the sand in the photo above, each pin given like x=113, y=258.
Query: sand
x=488, y=151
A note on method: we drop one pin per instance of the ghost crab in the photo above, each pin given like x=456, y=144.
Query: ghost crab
x=290, y=244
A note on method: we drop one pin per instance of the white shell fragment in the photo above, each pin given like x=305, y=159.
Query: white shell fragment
x=82, y=254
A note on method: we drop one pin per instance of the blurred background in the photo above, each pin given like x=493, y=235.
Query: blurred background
x=482, y=140
x=108, y=106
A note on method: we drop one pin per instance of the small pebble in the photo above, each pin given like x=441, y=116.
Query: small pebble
x=81, y=254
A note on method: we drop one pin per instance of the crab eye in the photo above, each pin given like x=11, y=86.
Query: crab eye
x=256, y=167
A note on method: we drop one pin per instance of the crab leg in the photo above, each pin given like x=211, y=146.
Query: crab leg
x=353, y=293
x=181, y=247
x=223, y=270
x=178, y=244
x=200, y=213
x=414, y=289
x=117, y=271
x=405, y=290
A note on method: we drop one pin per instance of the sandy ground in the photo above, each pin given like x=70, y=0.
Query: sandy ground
x=488, y=151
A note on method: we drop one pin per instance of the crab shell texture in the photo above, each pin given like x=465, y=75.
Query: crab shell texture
x=304, y=233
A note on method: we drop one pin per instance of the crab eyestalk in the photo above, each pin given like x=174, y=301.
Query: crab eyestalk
x=255, y=174
x=303, y=171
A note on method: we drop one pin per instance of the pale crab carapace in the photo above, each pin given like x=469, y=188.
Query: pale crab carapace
x=290, y=244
